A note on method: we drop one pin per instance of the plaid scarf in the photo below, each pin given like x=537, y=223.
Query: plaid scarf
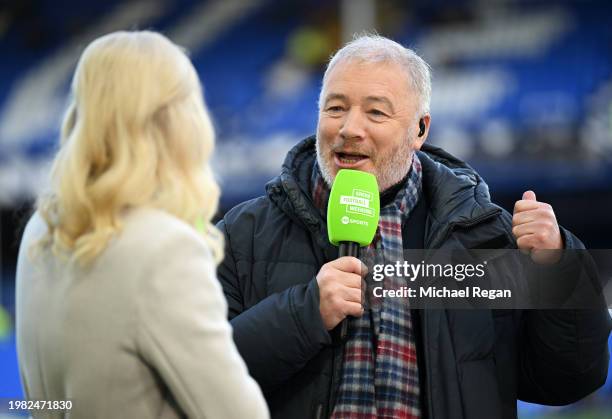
x=379, y=372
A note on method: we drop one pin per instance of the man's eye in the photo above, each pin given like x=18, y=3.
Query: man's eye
x=376, y=113
x=334, y=109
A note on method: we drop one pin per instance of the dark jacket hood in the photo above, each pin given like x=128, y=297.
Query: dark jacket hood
x=454, y=191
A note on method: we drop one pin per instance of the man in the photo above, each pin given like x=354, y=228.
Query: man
x=288, y=292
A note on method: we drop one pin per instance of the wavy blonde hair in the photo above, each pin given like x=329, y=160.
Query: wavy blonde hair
x=136, y=134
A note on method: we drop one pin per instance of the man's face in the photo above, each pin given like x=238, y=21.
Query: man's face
x=368, y=121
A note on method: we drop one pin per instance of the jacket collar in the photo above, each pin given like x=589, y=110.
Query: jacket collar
x=455, y=193
x=290, y=191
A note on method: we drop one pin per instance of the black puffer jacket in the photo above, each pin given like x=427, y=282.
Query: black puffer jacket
x=473, y=363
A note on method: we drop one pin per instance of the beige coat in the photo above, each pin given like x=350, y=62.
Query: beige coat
x=141, y=334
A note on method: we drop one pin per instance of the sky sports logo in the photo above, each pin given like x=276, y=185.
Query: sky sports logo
x=346, y=220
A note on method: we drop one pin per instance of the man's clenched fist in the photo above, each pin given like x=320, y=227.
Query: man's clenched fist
x=340, y=290
x=535, y=228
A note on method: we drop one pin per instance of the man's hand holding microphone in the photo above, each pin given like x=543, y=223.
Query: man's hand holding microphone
x=340, y=290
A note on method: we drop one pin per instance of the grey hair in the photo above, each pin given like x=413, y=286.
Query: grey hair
x=375, y=48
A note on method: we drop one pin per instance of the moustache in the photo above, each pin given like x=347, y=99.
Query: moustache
x=341, y=147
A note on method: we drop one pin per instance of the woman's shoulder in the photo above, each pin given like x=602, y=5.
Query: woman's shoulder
x=146, y=234
x=153, y=221
x=153, y=232
x=35, y=228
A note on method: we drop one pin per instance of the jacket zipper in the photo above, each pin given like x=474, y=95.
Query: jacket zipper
x=319, y=411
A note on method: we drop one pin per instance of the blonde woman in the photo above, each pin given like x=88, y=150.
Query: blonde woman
x=118, y=307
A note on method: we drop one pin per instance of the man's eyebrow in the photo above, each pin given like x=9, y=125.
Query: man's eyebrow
x=381, y=99
x=335, y=96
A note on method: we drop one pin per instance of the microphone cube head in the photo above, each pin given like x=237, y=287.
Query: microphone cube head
x=353, y=208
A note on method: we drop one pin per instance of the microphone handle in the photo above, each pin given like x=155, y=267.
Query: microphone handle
x=347, y=249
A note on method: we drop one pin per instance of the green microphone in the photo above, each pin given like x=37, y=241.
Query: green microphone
x=352, y=215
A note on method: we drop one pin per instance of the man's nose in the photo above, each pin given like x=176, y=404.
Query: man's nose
x=353, y=125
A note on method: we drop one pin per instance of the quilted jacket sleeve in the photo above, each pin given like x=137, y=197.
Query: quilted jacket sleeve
x=282, y=332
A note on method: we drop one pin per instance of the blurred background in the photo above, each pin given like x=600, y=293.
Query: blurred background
x=521, y=89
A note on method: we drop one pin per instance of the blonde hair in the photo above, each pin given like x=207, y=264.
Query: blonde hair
x=136, y=134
